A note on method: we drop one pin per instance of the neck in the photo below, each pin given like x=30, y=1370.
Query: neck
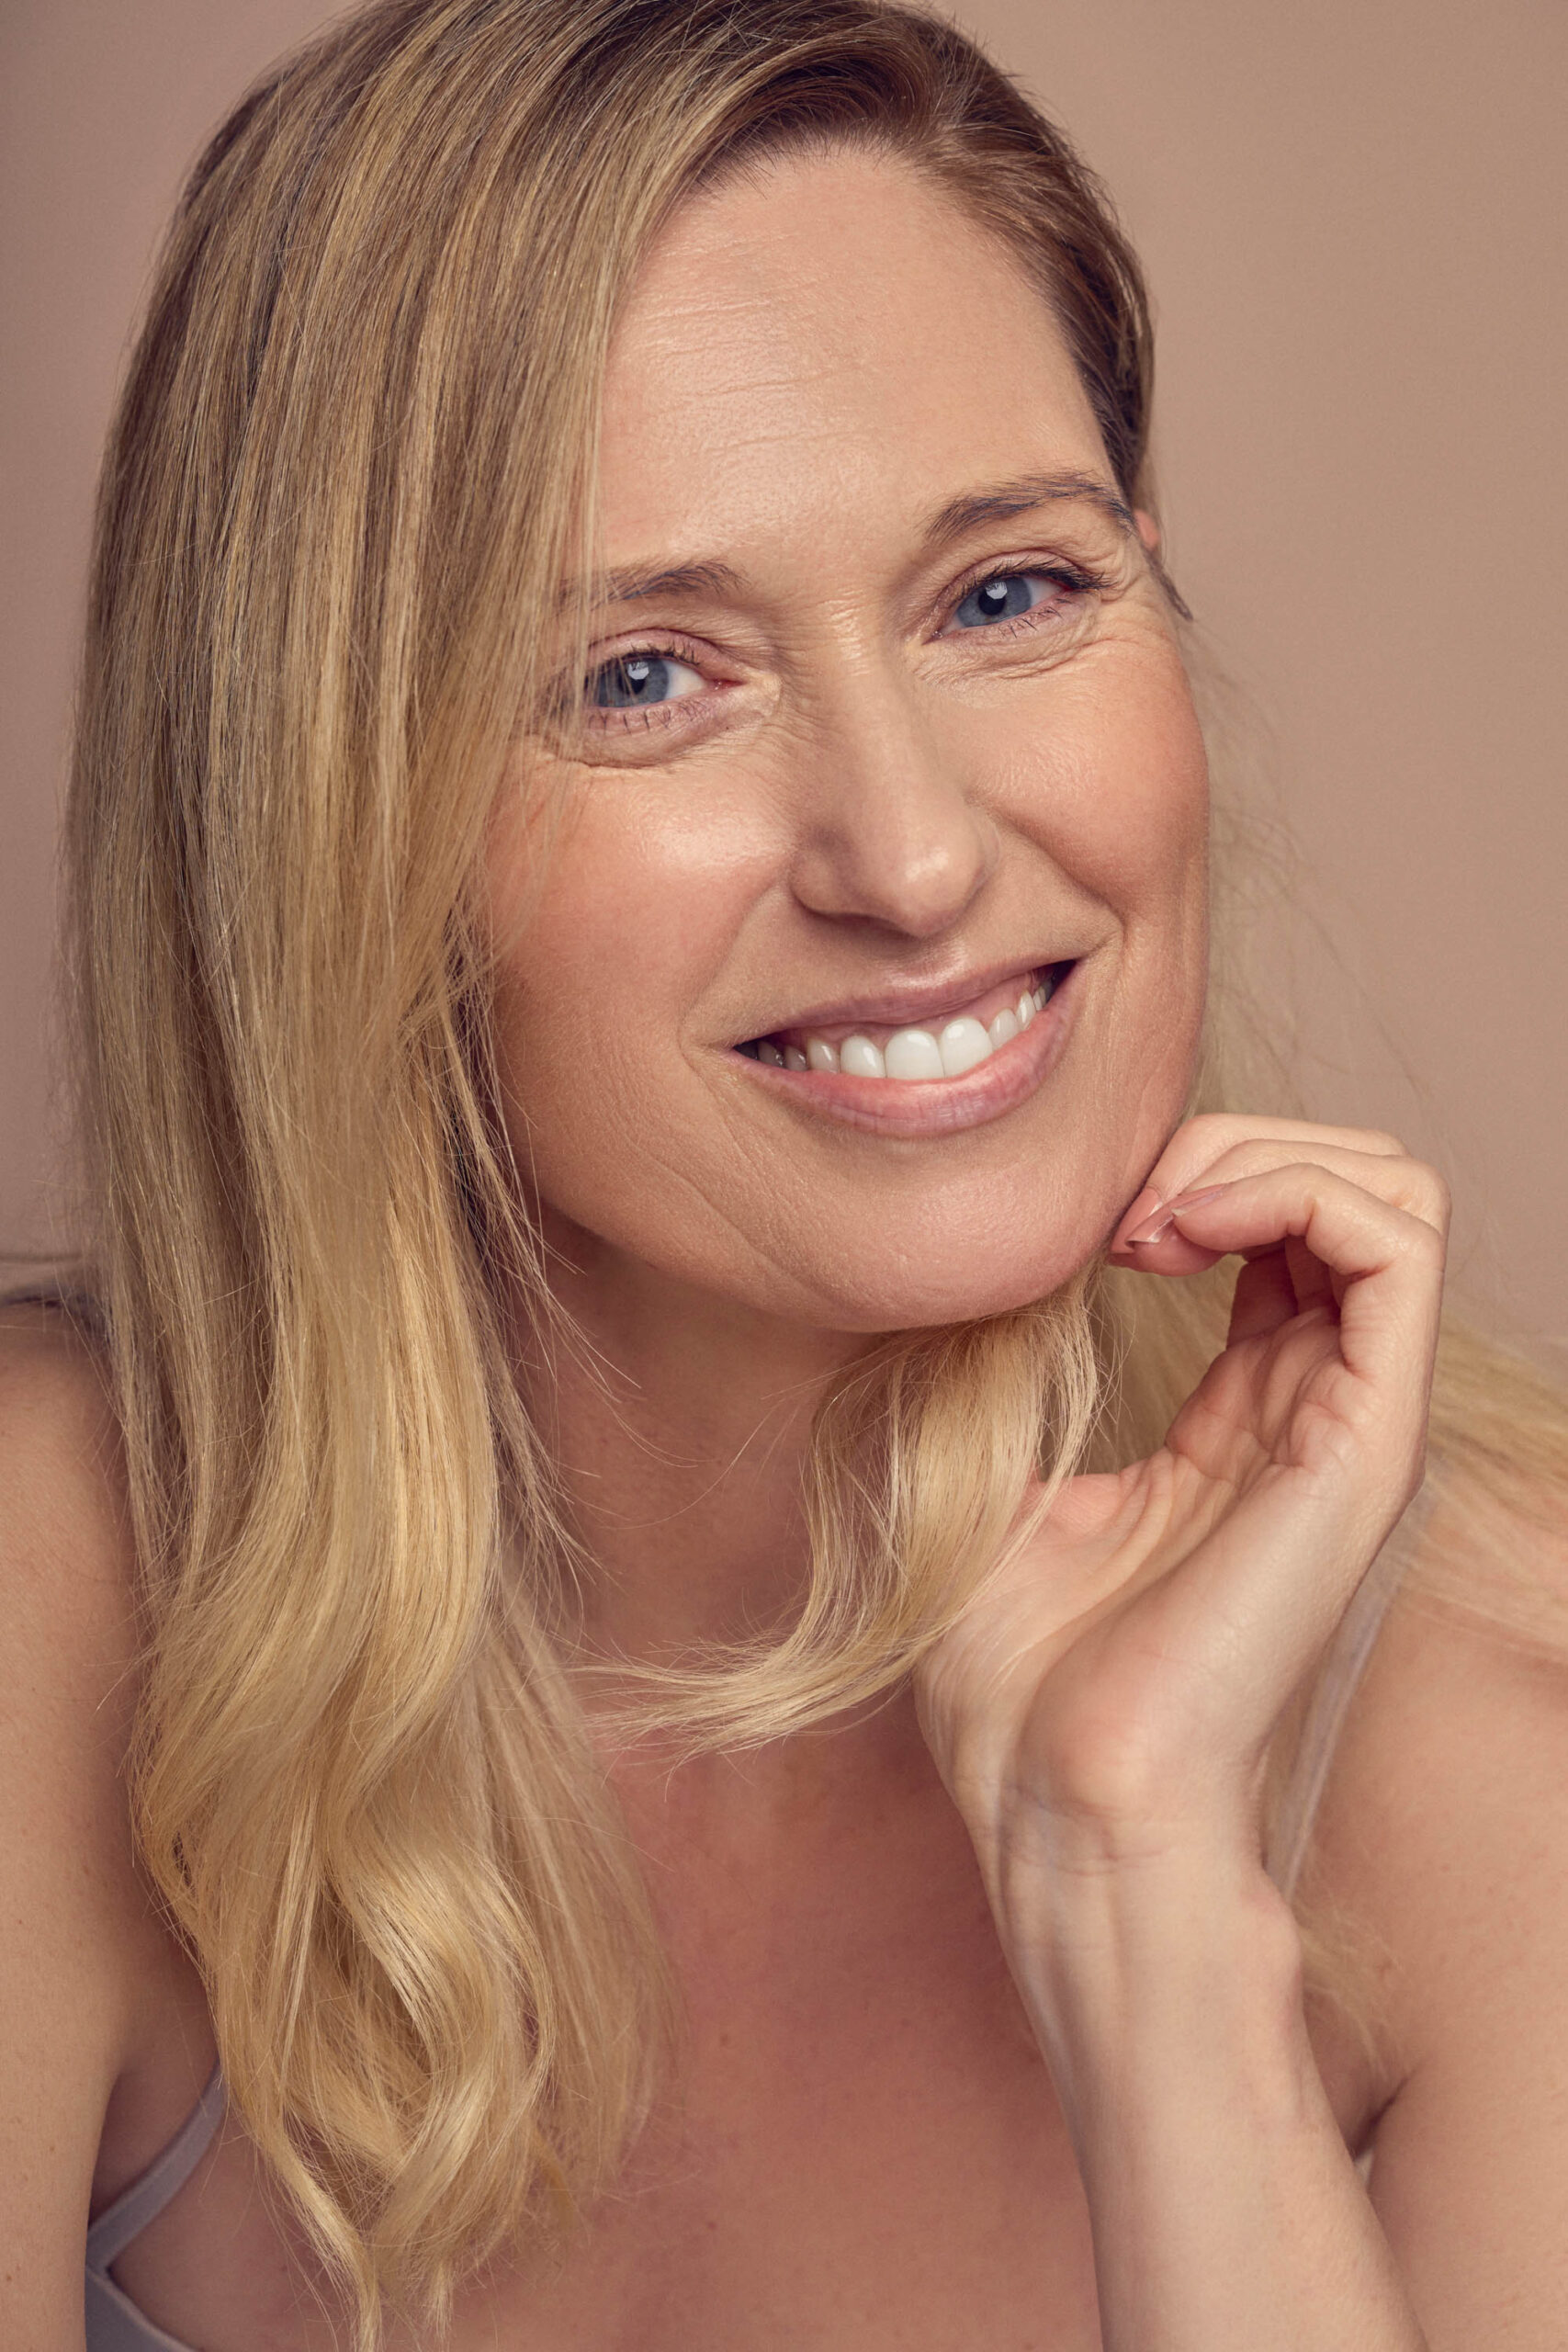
x=681, y=1426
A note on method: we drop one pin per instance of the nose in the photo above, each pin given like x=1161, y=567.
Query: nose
x=888, y=834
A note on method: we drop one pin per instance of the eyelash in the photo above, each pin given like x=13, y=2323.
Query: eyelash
x=642, y=719
x=1077, y=577
x=634, y=718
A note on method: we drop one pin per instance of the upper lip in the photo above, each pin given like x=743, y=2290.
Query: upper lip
x=904, y=1003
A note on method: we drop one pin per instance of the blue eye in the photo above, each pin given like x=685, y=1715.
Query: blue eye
x=1000, y=598
x=639, y=680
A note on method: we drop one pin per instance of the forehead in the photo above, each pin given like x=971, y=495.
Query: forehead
x=822, y=339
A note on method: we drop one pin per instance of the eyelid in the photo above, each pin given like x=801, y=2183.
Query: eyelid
x=1086, y=577
x=1086, y=580
x=662, y=644
x=654, y=640
x=671, y=644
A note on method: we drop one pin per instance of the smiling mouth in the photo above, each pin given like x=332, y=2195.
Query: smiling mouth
x=916, y=1053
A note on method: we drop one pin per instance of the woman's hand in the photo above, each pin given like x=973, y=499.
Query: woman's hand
x=1102, y=1713
x=1108, y=1700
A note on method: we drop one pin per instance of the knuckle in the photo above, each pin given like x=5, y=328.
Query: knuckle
x=1423, y=1244
x=1197, y=1141
x=1192, y=1151
x=1425, y=1195
x=1214, y=1131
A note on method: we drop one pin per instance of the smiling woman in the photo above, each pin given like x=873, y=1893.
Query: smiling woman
x=705, y=1626
x=914, y=745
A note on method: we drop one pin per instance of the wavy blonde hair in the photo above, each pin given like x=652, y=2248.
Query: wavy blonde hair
x=354, y=459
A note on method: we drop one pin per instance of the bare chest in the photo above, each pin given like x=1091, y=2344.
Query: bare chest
x=858, y=2146
x=871, y=2157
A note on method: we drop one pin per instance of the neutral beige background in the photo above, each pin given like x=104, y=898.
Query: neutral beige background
x=1353, y=214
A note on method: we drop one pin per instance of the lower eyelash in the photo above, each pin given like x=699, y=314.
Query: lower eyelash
x=1019, y=626
x=627, y=717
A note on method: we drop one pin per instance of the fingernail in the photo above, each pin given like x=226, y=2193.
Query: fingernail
x=1136, y=1215
x=1148, y=1200
x=1155, y=1227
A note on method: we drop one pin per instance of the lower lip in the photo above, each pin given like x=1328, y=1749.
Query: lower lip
x=921, y=1107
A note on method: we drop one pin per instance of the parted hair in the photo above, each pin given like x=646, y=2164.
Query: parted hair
x=353, y=463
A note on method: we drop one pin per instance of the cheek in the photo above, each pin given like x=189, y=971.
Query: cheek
x=1126, y=804
x=1129, y=799
x=1151, y=865
x=638, y=909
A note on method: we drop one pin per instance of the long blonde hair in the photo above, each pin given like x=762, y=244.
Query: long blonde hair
x=354, y=460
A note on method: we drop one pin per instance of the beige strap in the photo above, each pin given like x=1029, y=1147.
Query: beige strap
x=1348, y=1653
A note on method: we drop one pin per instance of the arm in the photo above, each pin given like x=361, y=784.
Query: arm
x=1444, y=1831
x=1226, y=2210
x=1102, y=1713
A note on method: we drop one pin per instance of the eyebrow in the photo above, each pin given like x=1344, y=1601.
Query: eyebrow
x=995, y=504
x=623, y=587
x=1002, y=500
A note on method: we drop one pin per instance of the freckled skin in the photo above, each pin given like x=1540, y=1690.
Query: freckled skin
x=812, y=362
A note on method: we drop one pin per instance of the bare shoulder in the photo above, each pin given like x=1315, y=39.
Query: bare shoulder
x=76, y=1931
x=65, y=1579
x=1445, y=1832
x=61, y=1492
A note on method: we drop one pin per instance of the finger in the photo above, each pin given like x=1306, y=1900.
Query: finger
x=1401, y=1182
x=1277, y=1284
x=1314, y=1283
x=1396, y=1177
x=1198, y=1143
x=1265, y=1296
x=1387, y=1265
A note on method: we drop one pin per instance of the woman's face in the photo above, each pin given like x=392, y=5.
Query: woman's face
x=885, y=736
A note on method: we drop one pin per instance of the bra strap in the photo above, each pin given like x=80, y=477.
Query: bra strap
x=1348, y=1653
x=154, y=2189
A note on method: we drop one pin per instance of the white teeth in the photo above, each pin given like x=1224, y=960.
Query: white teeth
x=913, y=1052
x=964, y=1045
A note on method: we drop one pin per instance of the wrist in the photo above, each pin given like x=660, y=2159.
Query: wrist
x=1053, y=1870
x=1226, y=2207
x=1182, y=1969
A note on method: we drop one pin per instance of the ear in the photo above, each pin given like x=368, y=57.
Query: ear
x=1148, y=529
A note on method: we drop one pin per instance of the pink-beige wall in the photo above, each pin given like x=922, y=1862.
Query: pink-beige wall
x=1353, y=214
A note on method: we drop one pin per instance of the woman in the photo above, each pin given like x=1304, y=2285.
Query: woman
x=604, y=1610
